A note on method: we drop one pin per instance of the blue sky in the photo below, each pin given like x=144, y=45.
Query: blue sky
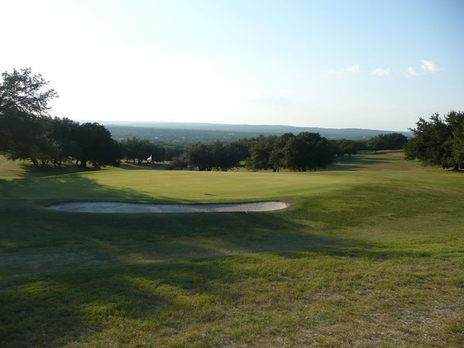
x=368, y=64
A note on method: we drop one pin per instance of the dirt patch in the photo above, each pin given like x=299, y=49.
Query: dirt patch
x=134, y=208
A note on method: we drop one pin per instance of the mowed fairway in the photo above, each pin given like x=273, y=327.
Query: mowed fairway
x=370, y=253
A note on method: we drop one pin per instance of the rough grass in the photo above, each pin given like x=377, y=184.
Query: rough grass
x=371, y=253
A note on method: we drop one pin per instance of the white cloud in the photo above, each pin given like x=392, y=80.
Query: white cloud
x=353, y=69
x=427, y=67
x=381, y=72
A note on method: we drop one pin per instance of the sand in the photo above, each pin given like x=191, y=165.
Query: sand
x=134, y=208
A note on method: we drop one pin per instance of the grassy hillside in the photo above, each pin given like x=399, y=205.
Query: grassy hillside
x=370, y=253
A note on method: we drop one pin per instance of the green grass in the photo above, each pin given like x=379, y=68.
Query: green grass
x=370, y=253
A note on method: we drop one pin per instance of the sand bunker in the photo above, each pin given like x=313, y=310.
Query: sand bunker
x=133, y=208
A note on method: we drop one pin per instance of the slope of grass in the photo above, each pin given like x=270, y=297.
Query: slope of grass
x=371, y=253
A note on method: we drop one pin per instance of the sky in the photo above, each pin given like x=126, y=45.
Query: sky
x=364, y=64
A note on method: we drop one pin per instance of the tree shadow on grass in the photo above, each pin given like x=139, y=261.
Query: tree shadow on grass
x=143, y=166
x=355, y=162
x=49, y=186
x=54, y=309
x=29, y=170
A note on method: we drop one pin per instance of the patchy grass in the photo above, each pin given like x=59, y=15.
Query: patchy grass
x=371, y=253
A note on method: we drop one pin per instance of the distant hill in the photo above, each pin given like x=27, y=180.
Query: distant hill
x=184, y=133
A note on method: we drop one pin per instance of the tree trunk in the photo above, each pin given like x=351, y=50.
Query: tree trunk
x=35, y=162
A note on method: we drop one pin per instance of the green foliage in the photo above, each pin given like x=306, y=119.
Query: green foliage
x=216, y=155
x=64, y=134
x=348, y=147
x=390, y=141
x=23, y=92
x=24, y=136
x=298, y=152
x=24, y=126
x=137, y=150
x=96, y=145
x=439, y=141
x=199, y=155
x=27, y=132
x=209, y=156
x=308, y=151
x=455, y=142
x=262, y=153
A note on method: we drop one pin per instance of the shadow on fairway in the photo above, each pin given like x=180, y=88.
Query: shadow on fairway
x=356, y=162
x=43, y=186
x=143, y=166
x=57, y=308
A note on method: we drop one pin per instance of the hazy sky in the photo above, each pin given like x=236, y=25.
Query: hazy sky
x=370, y=64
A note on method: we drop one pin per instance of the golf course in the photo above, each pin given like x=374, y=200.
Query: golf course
x=369, y=253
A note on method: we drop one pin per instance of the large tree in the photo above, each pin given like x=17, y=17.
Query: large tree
x=28, y=132
x=24, y=123
x=26, y=137
x=260, y=153
x=199, y=155
x=22, y=91
x=308, y=151
x=96, y=145
x=439, y=141
x=298, y=152
x=64, y=135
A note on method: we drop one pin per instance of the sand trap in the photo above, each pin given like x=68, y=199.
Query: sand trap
x=133, y=208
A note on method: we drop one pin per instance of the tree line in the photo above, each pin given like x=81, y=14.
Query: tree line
x=301, y=152
x=27, y=131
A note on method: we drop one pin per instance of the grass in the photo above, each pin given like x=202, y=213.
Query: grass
x=370, y=253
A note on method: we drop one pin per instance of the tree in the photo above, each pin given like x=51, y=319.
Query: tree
x=218, y=155
x=27, y=130
x=21, y=91
x=308, y=151
x=277, y=157
x=136, y=150
x=236, y=152
x=260, y=153
x=26, y=137
x=301, y=152
x=96, y=145
x=199, y=155
x=455, y=143
x=24, y=123
x=64, y=134
x=391, y=141
x=439, y=141
x=348, y=147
